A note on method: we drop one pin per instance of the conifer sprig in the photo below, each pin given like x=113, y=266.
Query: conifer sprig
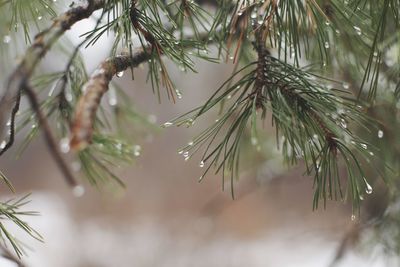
x=300, y=109
x=11, y=211
x=27, y=13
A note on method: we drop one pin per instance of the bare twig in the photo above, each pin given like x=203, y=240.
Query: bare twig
x=64, y=78
x=12, y=124
x=41, y=45
x=49, y=138
x=350, y=238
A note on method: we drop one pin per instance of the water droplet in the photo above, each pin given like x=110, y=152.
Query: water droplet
x=167, y=124
x=189, y=122
x=78, y=191
x=39, y=17
x=118, y=146
x=178, y=94
x=253, y=14
x=136, y=150
x=190, y=143
x=326, y=45
x=368, y=188
x=64, y=145
x=358, y=30
x=112, y=97
x=353, y=217
x=343, y=123
x=120, y=74
x=363, y=145
x=327, y=23
x=371, y=153
x=346, y=85
x=7, y=39
x=3, y=144
x=340, y=111
x=68, y=96
x=254, y=141
x=380, y=134
x=185, y=154
x=201, y=164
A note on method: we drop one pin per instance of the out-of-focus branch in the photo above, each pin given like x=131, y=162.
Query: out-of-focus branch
x=41, y=45
x=49, y=138
x=5, y=253
x=12, y=124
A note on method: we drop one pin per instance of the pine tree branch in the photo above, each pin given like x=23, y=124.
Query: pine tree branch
x=94, y=89
x=39, y=48
x=97, y=85
x=49, y=138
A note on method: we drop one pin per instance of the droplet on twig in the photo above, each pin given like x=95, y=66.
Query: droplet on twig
x=6, y=39
x=78, y=191
x=64, y=145
x=368, y=188
x=137, y=150
x=167, y=124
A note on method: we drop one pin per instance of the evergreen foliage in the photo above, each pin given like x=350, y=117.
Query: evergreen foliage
x=322, y=71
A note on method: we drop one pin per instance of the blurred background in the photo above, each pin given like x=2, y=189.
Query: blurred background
x=165, y=217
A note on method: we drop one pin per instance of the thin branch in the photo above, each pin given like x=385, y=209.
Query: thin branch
x=64, y=78
x=41, y=45
x=12, y=124
x=49, y=138
x=350, y=238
